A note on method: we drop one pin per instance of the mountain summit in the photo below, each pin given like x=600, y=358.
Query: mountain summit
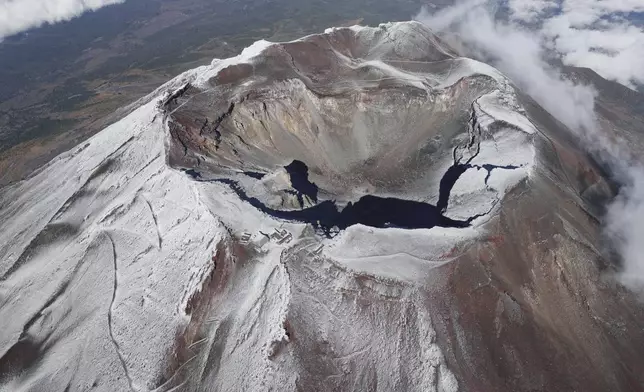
x=358, y=210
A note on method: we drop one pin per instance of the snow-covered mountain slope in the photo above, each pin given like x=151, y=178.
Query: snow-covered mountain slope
x=356, y=210
x=100, y=258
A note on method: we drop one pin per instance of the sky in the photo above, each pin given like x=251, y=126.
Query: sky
x=17, y=16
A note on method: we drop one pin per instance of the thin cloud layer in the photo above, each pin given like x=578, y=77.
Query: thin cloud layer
x=20, y=15
x=625, y=225
x=519, y=53
x=530, y=11
x=597, y=34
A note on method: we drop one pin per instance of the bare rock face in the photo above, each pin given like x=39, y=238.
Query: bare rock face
x=359, y=210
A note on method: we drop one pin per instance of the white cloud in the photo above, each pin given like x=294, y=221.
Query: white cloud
x=625, y=225
x=616, y=54
x=590, y=33
x=20, y=15
x=519, y=54
x=530, y=10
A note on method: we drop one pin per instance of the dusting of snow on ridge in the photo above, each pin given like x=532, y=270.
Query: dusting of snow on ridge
x=107, y=247
x=354, y=28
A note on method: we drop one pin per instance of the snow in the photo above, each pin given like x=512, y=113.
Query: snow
x=463, y=67
x=105, y=247
x=473, y=180
x=396, y=74
x=503, y=180
x=252, y=312
x=500, y=104
x=506, y=155
x=506, y=148
x=399, y=266
x=495, y=105
x=354, y=28
x=254, y=50
x=470, y=195
x=430, y=246
x=128, y=254
x=202, y=77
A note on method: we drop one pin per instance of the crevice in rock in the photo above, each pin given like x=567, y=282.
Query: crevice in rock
x=117, y=347
x=457, y=169
x=296, y=68
x=489, y=168
x=204, y=127
x=214, y=128
x=156, y=221
x=223, y=116
x=173, y=97
x=473, y=218
x=172, y=127
x=255, y=175
x=241, y=139
x=447, y=183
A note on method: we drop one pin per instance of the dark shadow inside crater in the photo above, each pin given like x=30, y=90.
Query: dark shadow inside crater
x=299, y=175
x=369, y=210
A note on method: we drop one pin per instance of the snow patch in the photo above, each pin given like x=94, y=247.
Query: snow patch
x=396, y=74
x=431, y=246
